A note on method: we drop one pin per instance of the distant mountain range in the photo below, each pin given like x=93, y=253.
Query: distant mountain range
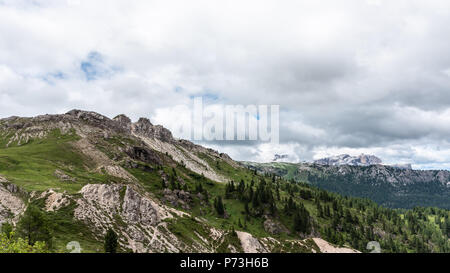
x=390, y=186
x=345, y=159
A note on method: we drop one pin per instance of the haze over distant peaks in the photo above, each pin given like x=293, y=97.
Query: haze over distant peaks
x=345, y=159
x=361, y=160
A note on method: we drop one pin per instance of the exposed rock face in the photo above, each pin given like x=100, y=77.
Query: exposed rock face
x=145, y=128
x=91, y=118
x=143, y=154
x=361, y=160
x=138, y=209
x=11, y=206
x=326, y=247
x=63, y=177
x=137, y=218
x=123, y=121
x=177, y=198
x=250, y=244
x=187, y=156
x=103, y=205
x=118, y=200
x=274, y=227
x=55, y=200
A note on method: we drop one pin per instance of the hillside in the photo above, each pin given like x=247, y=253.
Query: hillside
x=87, y=173
x=389, y=186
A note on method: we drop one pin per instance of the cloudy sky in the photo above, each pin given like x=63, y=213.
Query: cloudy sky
x=350, y=76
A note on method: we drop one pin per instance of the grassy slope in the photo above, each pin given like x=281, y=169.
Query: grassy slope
x=32, y=165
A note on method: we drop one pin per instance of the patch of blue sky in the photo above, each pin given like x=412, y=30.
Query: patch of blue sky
x=95, y=67
x=53, y=76
x=178, y=89
x=207, y=97
x=24, y=4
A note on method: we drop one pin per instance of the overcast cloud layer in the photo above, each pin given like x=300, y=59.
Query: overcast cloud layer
x=350, y=76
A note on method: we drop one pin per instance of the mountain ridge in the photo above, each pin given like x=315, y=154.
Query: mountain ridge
x=88, y=173
x=345, y=159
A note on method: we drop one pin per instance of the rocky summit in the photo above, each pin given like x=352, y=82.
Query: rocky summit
x=88, y=175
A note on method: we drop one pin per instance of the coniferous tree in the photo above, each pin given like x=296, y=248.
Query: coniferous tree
x=247, y=210
x=34, y=226
x=219, y=206
x=6, y=228
x=111, y=241
x=319, y=210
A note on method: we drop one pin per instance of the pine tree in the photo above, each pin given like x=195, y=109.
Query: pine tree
x=319, y=210
x=173, y=186
x=6, y=228
x=247, y=210
x=111, y=241
x=206, y=194
x=219, y=205
x=34, y=226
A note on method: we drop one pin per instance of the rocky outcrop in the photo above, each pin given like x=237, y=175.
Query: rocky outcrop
x=274, y=227
x=250, y=244
x=63, y=177
x=123, y=121
x=55, y=200
x=326, y=247
x=188, y=157
x=177, y=198
x=11, y=205
x=143, y=154
x=146, y=129
x=135, y=216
